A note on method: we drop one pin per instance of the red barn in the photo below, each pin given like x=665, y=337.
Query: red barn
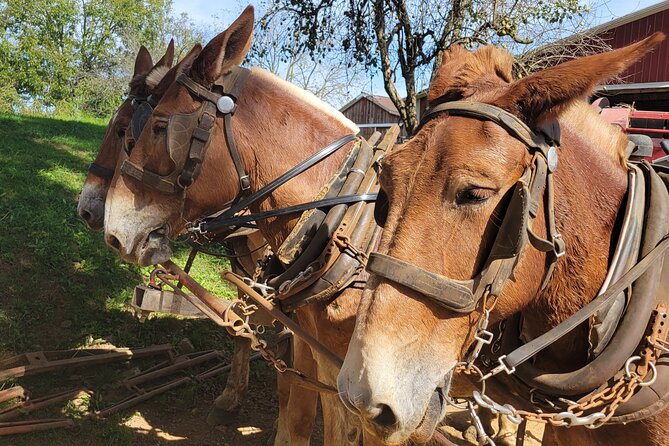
x=646, y=83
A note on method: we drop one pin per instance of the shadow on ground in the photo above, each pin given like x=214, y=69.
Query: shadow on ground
x=61, y=288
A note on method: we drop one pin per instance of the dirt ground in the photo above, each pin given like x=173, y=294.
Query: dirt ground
x=178, y=418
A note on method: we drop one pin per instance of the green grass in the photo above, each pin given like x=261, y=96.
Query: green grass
x=60, y=286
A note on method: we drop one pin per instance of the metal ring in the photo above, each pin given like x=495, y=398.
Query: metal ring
x=628, y=363
x=476, y=369
x=649, y=383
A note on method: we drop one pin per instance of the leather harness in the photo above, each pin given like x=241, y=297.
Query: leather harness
x=463, y=296
x=188, y=135
x=348, y=200
x=138, y=104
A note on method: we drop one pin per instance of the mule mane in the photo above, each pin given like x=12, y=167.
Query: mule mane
x=305, y=96
x=463, y=73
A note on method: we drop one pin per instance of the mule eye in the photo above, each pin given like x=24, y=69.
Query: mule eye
x=121, y=132
x=473, y=195
x=381, y=208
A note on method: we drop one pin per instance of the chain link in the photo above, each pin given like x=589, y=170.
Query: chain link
x=343, y=242
x=592, y=412
x=230, y=320
x=603, y=403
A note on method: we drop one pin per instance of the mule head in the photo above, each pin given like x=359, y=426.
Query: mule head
x=145, y=76
x=448, y=190
x=140, y=219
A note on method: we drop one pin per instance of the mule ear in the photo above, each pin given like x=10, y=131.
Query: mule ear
x=451, y=62
x=543, y=95
x=143, y=62
x=225, y=50
x=179, y=68
x=168, y=58
x=161, y=68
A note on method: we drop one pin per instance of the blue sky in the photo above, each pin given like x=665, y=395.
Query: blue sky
x=216, y=14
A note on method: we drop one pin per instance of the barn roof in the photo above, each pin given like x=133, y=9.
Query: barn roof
x=629, y=18
x=382, y=101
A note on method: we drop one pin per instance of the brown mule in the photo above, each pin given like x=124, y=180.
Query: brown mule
x=275, y=126
x=448, y=190
x=146, y=82
x=146, y=75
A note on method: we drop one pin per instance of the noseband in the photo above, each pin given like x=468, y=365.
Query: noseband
x=462, y=296
x=188, y=135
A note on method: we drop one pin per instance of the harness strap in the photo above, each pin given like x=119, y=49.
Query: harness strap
x=101, y=171
x=290, y=174
x=452, y=295
x=232, y=85
x=520, y=355
x=197, y=89
x=487, y=112
x=151, y=179
x=244, y=182
x=198, y=146
x=217, y=223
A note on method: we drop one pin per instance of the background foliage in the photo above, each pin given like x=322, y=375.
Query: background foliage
x=404, y=39
x=75, y=56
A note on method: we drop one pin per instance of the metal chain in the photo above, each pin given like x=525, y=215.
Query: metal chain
x=343, y=242
x=592, y=412
x=244, y=310
x=606, y=402
x=482, y=335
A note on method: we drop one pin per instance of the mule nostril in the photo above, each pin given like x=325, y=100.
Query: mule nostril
x=386, y=417
x=114, y=242
x=87, y=216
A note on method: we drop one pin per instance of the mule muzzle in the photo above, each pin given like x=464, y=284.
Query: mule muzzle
x=154, y=249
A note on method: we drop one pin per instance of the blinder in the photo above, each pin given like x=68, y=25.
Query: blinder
x=188, y=135
x=179, y=131
x=139, y=119
x=462, y=296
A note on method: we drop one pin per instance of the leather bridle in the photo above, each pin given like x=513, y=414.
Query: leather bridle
x=189, y=134
x=462, y=296
x=188, y=137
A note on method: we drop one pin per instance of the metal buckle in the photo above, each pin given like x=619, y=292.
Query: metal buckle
x=245, y=183
x=484, y=336
x=195, y=228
